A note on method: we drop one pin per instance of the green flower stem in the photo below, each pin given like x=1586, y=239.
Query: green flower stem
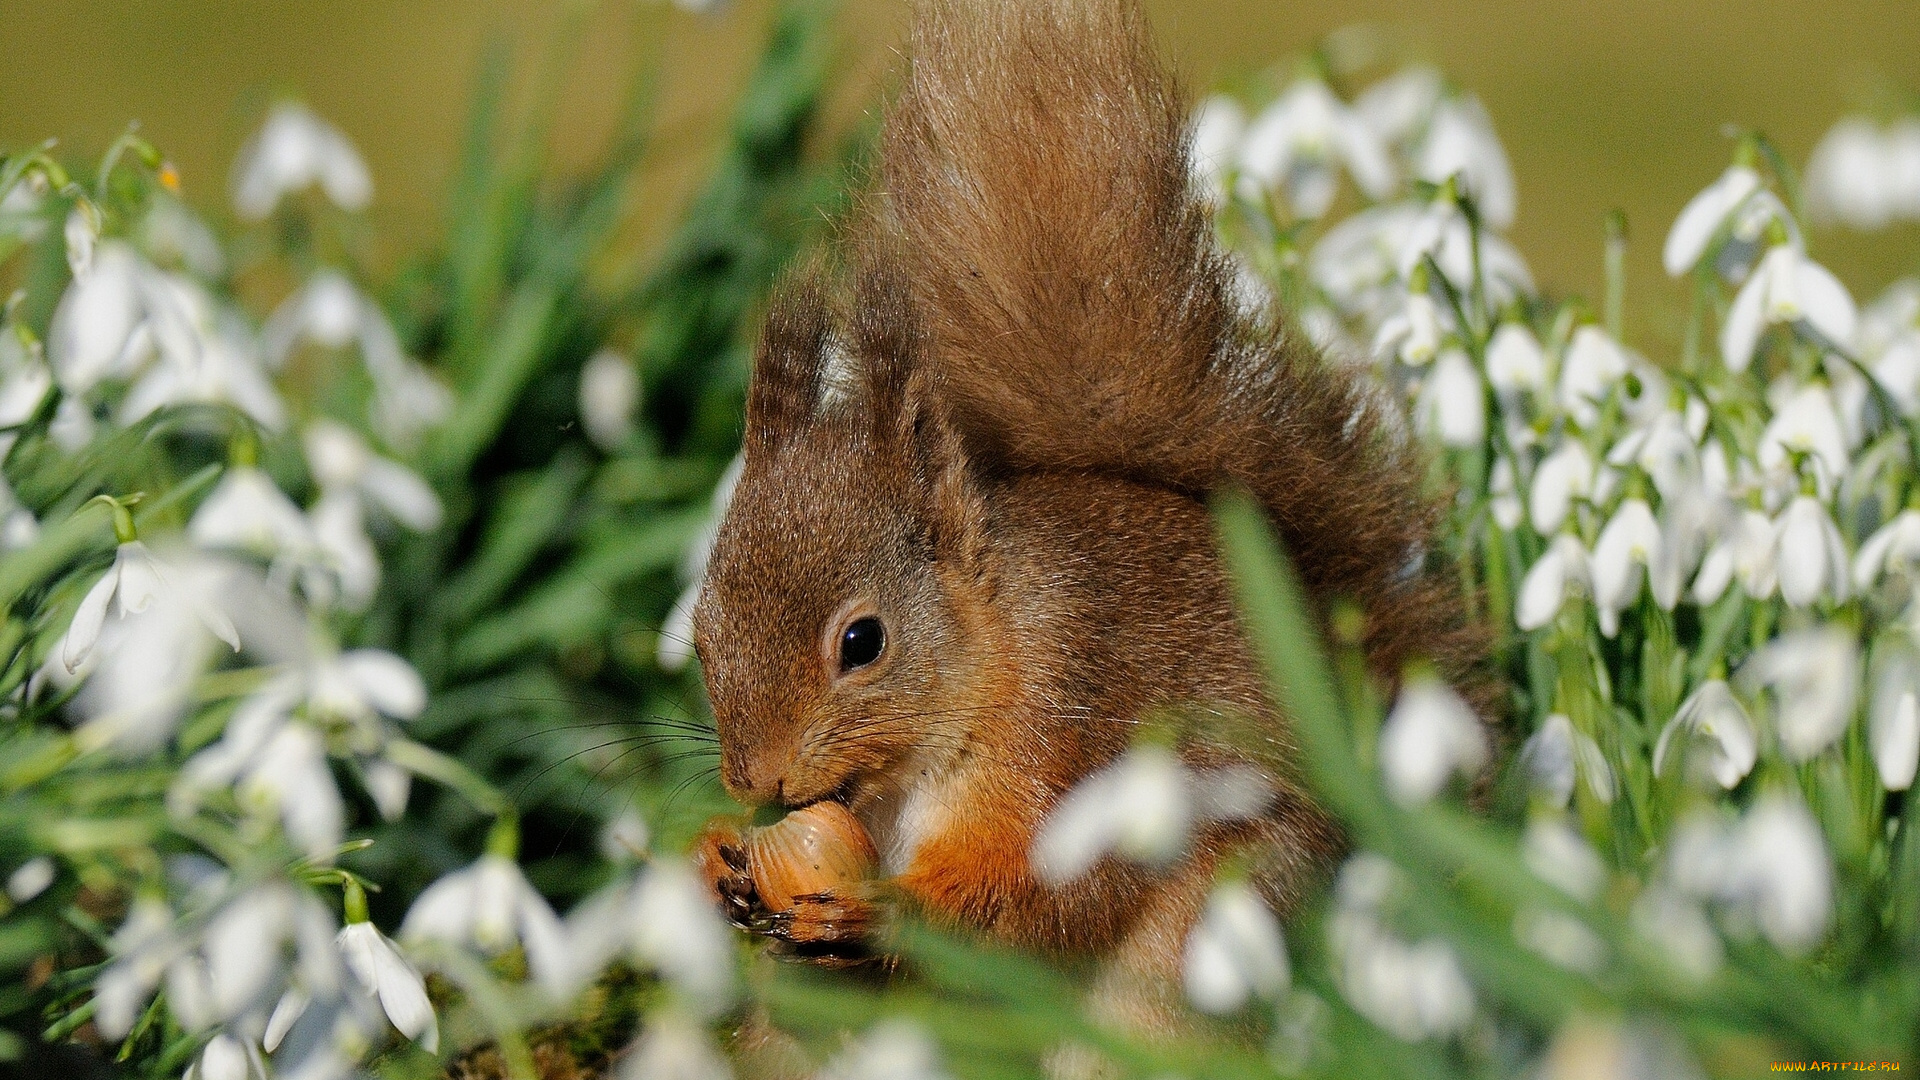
x=423, y=760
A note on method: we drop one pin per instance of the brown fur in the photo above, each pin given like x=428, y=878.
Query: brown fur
x=1002, y=447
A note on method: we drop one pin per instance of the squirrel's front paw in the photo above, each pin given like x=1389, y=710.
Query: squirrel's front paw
x=835, y=919
x=720, y=856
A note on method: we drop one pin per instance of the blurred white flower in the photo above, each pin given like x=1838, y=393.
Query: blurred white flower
x=1746, y=548
x=1561, y=477
x=332, y=312
x=1893, y=549
x=1413, y=991
x=248, y=512
x=1515, y=361
x=1442, y=232
x=30, y=879
x=1806, y=421
x=138, y=680
x=1145, y=807
x=1787, y=288
x=609, y=394
x=1815, y=678
x=227, y=1058
x=893, y=1049
x=345, y=551
x=490, y=906
x=1218, y=126
x=1864, y=175
x=1560, y=938
x=277, y=768
x=1716, y=733
x=1812, y=555
x=1771, y=870
x=1561, y=857
x=83, y=229
x=1893, y=723
x=1399, y=106
x=1589, y=1049
x=1453, y=405
x=1234, y=952
x=293, y=151
x=1594, y=365
x=674, y=1046
x=1558, y=754
x=1704, y=215
x=1542, y=592
x=1430, y=735
x=117, y=316
x=342, y=461
x=1630, y=543
x=384, y=972
x=1413, y=334
x=1686, y=940
x=224, y=369
x=1664, y=449
x=135, y=580
x=1460, y=141
x=1297, y=145
x=1505, y=504
x=675, y=929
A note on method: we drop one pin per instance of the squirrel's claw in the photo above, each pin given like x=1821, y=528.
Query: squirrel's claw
x=825, y=919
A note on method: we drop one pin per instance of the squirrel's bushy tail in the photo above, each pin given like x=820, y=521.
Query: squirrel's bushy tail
x=1079, y=315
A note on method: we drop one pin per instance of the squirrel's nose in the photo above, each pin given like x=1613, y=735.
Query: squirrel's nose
x=750, y=783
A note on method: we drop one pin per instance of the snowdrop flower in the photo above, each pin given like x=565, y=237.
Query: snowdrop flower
x=1218, y=126
x=248, y=512
x=490, y=905
x=1787, y=288
x=1441, y=232
x=242, y=954
x=30, y=879
x=1705, y=215
x=345, y=550
x=1413, y=334
x=1807, y=422
x=1814, y=675
x=1686, y=941
x=1430, y=735
x=142, y=948
x=384, y=972
x=609, y=393
x=1542, y=592
x=227, y=1058
x=1894, y=548
x=1515, y=361
x=332, y=312
x=1812, y=556
x=893, y=1049
x=1399, y=106
x=134, y=581
x=676, y=930
x=293, y=151
x=1562, y=476
x=1864, y=176
x=342, y=461
x=1452, y=405
x=1414, y=991
x=1298, y=142
x=1144, y=806
x=1460, y=142
x=1630, y=542
x=674, y=1047
x=1594, y=365
x=1507, y=509
x=1664, y=449
x=137, y=681
x=1746, y=549
x=112, y=319
x=1716, y=732
x=277, y=768
x=1558, y=754
x=1357, y=263
x=83, y=228
x=1771, y=870
x=1234, y=952
x=1561, y=857
x=1893, y=724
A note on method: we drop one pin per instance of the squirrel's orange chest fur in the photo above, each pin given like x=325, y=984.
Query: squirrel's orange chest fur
x=988, y=437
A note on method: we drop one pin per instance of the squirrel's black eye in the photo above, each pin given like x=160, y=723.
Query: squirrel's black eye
x=861, y=642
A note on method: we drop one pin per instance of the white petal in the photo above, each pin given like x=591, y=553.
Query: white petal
x=1703, y=216
x=287, y=1012
x=385, y=681
x=1429, y=735
x=1827, y=304
x=84, y=631
x=401, y=492
x=1547, y=758
x=1740, y=333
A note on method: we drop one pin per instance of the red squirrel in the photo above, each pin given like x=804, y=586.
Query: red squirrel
x=970, y=552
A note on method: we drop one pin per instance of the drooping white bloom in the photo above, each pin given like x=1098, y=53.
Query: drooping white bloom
x=224, y=370
x=1594, y=365
x=893, y=1049
x=1814, y=676
x=346, y=552
x=30, y=879
x=1807, y=421
x=1414, y=991
x=675, y=929
x=1234, y=952
x=1430, y=735
x=674, y=1047
x=1466, y=257
x=1630, y=543
x=1453, y=406
x=1413, y=334
x=1704, y=215
x=1143, y=807
x=609, y=394
x=1716, y=732
x=1505, y=504
x=1771, y=870
x=1399, y=106
x=1893, y=724
x=1298, y=144
x=342, y=461
x=1894, y=548
x=1558, y=754
x=1812, y=556
x=277, y=768
x=1460, y=142
x=332, y=312
x=490, y=906
x=1865, y=176
x=1746, y=549
x=384, y=972
x=1566, y=565
x=1515, y=361
x=1562, y=476
x=117, y=316
x=293, y=151
x=1561, y=938
x=138, y=680
x=1787, y=288
x=248, y=512
x=1561, y=857
x=227, y=1058
x=1218, y=126
x=135, y=580
x=1664, y=449
x=1675, y=922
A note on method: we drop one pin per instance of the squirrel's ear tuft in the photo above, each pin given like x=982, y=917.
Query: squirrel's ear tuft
x=784, y=390
x=1035, y=171
x=886, y=336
